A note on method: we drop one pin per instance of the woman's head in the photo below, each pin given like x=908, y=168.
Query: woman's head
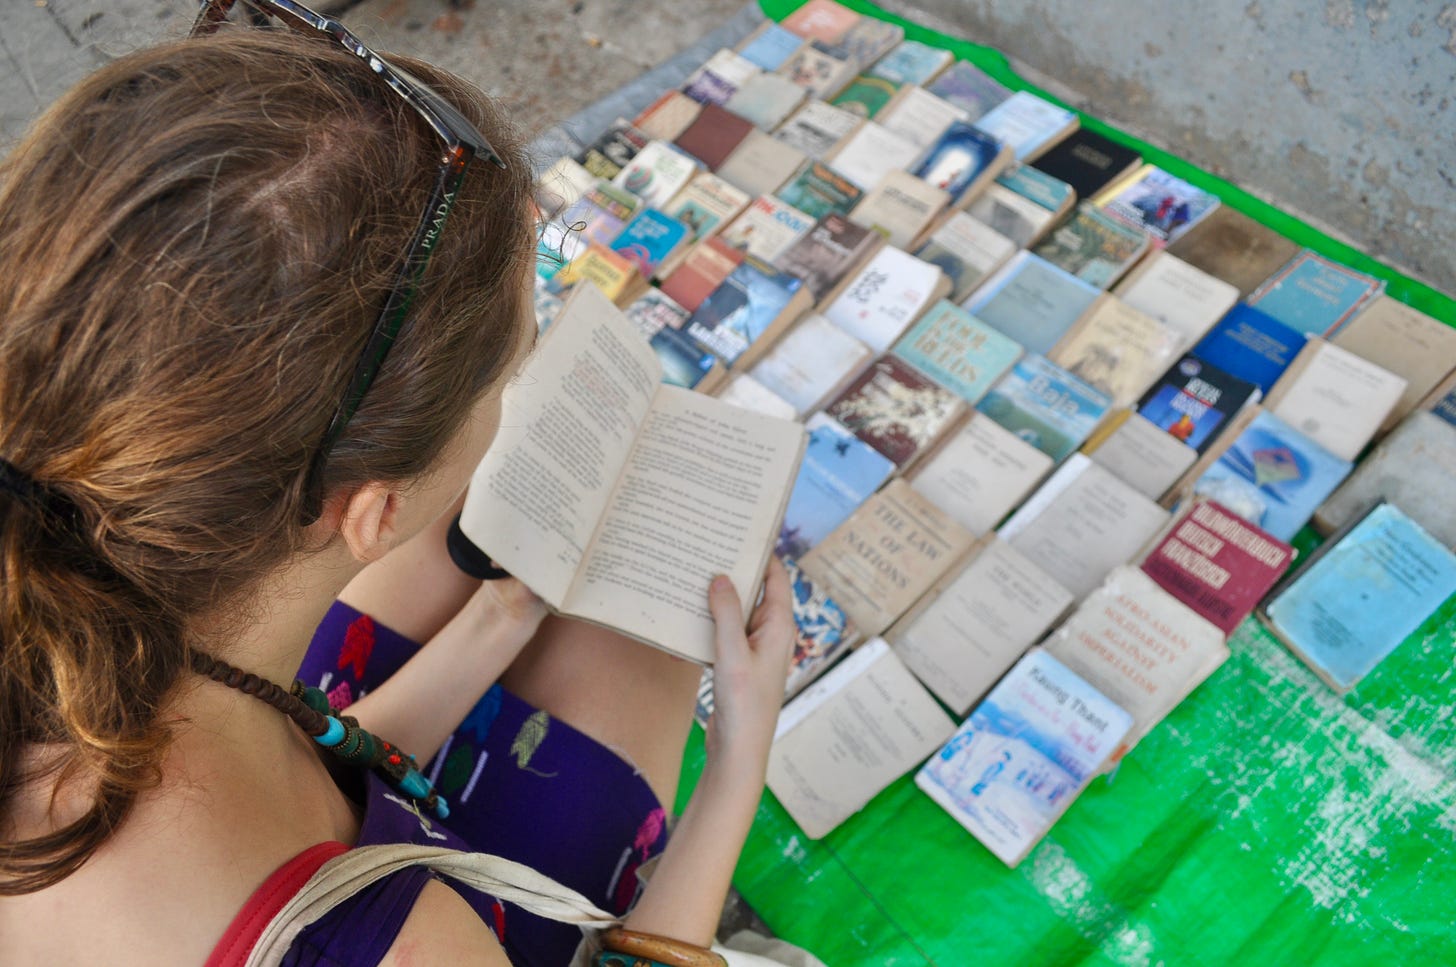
x=194, y=246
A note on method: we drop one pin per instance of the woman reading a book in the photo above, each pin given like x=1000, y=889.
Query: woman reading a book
x=196, y=243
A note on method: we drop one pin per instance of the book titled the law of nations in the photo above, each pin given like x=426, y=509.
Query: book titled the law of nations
x=617, y=498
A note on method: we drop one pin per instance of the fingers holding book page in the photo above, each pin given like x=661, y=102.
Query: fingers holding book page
x=750, y=669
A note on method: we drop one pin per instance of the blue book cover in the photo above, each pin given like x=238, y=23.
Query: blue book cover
x=1251, y=345
x=958, y=351
x=911, y=63
x=1045, y=406
x=1037, y=186
x=649, y=239
x=1025, y=753
x=771, y=48
x=1314, y=295
x=1358, y=600
x=1026, y=122
x=1445, y=408
x=684, y=362
x=960, y=156
x=1032, y=301
x=741, y=309
x=838, y=473
x=1273, y=476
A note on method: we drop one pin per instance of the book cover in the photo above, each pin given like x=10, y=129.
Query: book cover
x=1334, y=397
x=609, y=271
x=870, y=153
x=684, y=363
x=822, y=20
x=886, y=555
x=896, y=409
x=813, y=361
x=837, y=475
x=1082, y=523
x=656, y=173
x=816, y=128
x=822, y=631
x=1140, y=646
x=900, y=207
x=817, y=192
x=649, y=238
x=706, y=267
x=668, y=116
x=1217, y=564
x=967, y=251
x=964, y=635
x=1412, y=468
x=1026, y=752
x=1032, y=301
x=1027, y=123
x=866, y=95
x=609, y=154
x=969, y=88
x=597, y=218
x=1353, y=605
x=767, y=228
x=1313, y=294
x=1273, y=476
x=1035, y=186
x=547, y=304
x=1141, y=454
x=1088, y=161
x=920, y=117
x=1231, y=246
x=1251, y=345
x=1156, y=202
x=958, y=351
x=1093, y=247
x=820, y=74
x=833, y=247
x=980, y=473
x=1442, y=400
x=1117, y=350
x=1186, y=298
x=867, y=41
x=744, y=391
x=860, y=727
x=1409, y=343
x=653, y=311
x=1009, y=214
x=770, y=46
x=709, y=87
x=1044, y=405
x=562, y=185
x=912, y=63
x=766, y=99
x=1193, y=400
x=760, y=165
x=706, y=203
x=962, y=156
x=881, y=301
x=741, y=310
x=713, y=135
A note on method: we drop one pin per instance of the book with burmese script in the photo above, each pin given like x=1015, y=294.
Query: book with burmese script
x=617, y=498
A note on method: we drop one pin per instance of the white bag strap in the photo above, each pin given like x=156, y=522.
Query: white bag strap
x=348, y=873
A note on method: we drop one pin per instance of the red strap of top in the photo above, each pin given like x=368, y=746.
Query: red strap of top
x=237, y=942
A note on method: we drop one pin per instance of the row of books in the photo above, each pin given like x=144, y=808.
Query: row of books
x=1009, y=396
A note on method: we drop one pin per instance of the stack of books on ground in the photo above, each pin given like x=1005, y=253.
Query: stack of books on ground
x=1065, y=415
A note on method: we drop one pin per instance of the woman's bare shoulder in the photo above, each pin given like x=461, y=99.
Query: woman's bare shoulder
x=443, y=929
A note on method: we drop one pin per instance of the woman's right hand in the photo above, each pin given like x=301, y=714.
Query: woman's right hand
x=749, y=673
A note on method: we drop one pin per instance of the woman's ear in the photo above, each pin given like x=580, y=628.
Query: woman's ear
x=369, y=521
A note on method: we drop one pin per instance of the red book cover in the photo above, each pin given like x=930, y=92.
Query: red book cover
x=896, y=409
x=712, y=137
x=702, y=272
x=1218, y=564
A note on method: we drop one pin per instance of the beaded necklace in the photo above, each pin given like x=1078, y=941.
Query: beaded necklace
x=340, y=734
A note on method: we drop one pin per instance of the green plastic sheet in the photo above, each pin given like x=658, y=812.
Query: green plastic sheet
x=1267, y=820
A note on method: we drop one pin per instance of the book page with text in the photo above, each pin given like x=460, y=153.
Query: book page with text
x=701, y=494
x=567, y=426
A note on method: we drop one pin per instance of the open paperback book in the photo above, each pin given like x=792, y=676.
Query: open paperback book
x=617, y=498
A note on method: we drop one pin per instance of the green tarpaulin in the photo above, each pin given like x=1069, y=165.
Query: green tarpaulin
x=1266, y=821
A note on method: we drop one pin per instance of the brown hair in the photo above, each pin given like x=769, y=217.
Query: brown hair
x=194, y=245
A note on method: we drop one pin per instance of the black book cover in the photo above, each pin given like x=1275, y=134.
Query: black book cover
x=1087, y=161
x=1194, y=400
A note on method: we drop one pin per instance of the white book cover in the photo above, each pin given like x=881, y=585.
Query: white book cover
x=658, y=172
x=900, y=207
x=730, y=65
x=920, y=117
x=745, y=391
x=977, y=627
x=885, y=297
x=1336, y=398
x=1188, y=299
x=766, y=100
x=1094, y=523
x=561, y=185
x=981, y=474
x=1118, y=350
x=1018, y=218
x=1145, y=456
x=860, y=727
x=811, y=363
x=760, y=165
x=707, y=203
x=1027, y=751
x=871, y=153
x=767, y=228
x=817, y=127
x=975, y=248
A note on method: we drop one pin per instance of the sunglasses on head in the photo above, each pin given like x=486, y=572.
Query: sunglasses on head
x=461, y=142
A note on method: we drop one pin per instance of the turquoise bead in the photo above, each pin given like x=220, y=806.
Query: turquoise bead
x=442, y=808
x=333, y=736
x=414, y=784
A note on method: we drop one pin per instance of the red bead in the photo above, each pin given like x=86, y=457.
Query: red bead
x=394, y=760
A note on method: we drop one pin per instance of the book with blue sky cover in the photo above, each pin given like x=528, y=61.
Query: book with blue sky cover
x=1273, y=476
x=838, y=473
x=1029, y=124
x=770, y=46
x=649, y=238
x=1026, y=752
x=1362, y=595
x=684, y=362
x=1312, y=294
x=958, y=351
x=961, y=158
x=1251, y=346
x=1045, y=405
x=912, y=63
x=1032, y=301
x=750, y=302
